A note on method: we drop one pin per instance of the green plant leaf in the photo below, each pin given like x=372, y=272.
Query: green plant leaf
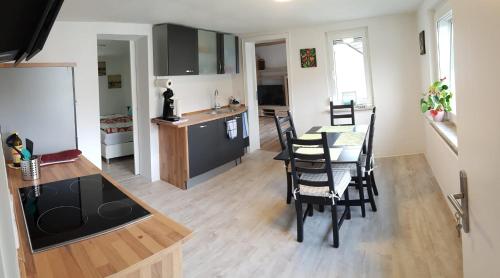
x=424, y=107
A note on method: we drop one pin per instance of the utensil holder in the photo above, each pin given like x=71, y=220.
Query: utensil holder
x=30, y=169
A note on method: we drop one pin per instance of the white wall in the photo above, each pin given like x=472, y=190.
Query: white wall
x=274, y=55
x=196, y=93
x=442, y=160
x=393, y=45
x=115, y=101
x=77, y=42
x=8, y=252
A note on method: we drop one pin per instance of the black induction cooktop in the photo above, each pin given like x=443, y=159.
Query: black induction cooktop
x=63, y=212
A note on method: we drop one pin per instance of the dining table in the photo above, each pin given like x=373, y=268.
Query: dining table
x=348, y=141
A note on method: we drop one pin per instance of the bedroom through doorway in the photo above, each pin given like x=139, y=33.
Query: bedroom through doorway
x=116, y=108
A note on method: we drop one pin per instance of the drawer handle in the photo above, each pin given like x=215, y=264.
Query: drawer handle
x=189, y=71
x=203, y=126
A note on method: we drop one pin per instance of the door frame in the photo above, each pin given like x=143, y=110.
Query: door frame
x=250, y=80
x=134, y=70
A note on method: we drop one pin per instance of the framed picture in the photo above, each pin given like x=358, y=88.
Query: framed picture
x=114, y=81
x=101, y=68
x=422, y=42
x=308, y=58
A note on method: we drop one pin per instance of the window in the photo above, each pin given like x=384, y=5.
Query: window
x=446, y=54
x=351, y=78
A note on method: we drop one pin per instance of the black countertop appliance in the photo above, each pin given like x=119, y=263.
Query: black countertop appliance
x=63, y=212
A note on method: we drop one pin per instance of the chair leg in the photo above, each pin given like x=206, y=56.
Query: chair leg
x=361, y=190
x=300, y=221
x=374, y=185
x=310, y=209
x=321, y=208
x=335, y=224
x=370, y=192
x=288, y=187
x=347, y=206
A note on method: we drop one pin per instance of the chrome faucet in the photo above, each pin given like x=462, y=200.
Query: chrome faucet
x=216, y=103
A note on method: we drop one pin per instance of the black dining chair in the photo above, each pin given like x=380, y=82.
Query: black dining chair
x=374, y=185
x=316, y=183
x=285, y=124
x=339, y=112
x=366, y=161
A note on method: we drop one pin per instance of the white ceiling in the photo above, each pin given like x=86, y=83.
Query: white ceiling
x=235, y=16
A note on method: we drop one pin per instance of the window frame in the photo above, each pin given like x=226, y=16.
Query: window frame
x=339, y=35
x=441, y=13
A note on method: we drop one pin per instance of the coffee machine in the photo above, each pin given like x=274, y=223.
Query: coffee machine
x=168, y=102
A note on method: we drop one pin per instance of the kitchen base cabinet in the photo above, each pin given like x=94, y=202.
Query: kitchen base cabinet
x=202, y=144
x=210, y=147
x=188, y=151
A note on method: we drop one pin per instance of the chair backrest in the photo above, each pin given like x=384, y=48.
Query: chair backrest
x=283, y=125
x=317, y=163
x=336, y=115
x=369, y=151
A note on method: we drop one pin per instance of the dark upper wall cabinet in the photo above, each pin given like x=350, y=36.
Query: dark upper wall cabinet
x=181, y=50
x=175, y=50
x=207, y=52
x=228, y=53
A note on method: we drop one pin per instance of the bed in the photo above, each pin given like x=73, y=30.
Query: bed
x=117, y=136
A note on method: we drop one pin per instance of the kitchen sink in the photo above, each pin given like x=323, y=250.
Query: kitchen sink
x=220, y=111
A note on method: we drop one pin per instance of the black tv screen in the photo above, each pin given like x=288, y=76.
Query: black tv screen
x=271, y=95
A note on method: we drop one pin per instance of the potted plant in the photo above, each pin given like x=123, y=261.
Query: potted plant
x=437, y=100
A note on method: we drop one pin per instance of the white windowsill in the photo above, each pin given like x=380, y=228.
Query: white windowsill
x=447, y=130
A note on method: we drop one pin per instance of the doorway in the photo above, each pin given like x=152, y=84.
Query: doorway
x=272, y=90
x=118, y=128
x=267, y=86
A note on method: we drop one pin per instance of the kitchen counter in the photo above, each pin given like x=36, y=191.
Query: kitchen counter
x=194, y=147
x=150, y=248
x=199, y=117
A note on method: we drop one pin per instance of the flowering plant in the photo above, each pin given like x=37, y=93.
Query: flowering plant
x=437, y=99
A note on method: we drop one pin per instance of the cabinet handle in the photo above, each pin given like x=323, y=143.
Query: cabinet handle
x=203, y=126
x=237, y=117
x=189, y=71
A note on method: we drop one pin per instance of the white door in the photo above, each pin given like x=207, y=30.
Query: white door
x=477, y=67
x=251, y=94
x=135, y=122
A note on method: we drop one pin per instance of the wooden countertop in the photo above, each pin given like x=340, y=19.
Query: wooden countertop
x=113, y=253
x=199, y=117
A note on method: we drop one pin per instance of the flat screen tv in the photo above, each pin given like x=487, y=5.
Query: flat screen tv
x=271, y=95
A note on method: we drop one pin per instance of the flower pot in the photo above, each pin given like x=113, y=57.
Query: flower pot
x=437, y=116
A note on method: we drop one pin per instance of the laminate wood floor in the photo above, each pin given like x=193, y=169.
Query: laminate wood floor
x=120, y=169
x=268, y=135
x=244, y=228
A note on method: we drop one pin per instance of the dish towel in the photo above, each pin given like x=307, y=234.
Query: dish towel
x=232, y=129
x=245, y=124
